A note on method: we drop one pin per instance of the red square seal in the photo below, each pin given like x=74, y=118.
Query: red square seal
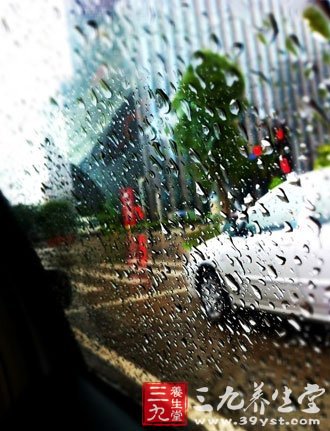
x=164, y=404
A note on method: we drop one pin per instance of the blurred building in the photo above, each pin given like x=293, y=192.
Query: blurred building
x=129, y=56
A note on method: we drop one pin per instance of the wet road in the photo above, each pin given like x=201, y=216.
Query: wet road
x=139, y=326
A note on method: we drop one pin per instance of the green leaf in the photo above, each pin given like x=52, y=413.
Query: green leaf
x=326, y=57
x=317, y=21
x=275, y=182
x=323, y=157
x=261, y=37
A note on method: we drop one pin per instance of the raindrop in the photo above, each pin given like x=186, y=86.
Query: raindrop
x=216, y=130
x=267, y=147
x=199, y=190
x=256, y=291
x=281, y=259
x=232, y=283
x=81, y=103
x=264, y=211
x=272, y=271
x=282, y=195
x=215, y=39
x=53, y=101
x=5, y=24
x=205, y=129
x=311, y=285
x=193, y=88
x=105, y=89
x=164, y=229
x=164, y=100
x=306, y=309
x=287, y=227
x=314, y=225
x=80, y=35
x=186, y=109
x=179, y=308
x=94, y=99
x=294, y=324
x=238, y=47
x=297, y=260
x=245, y=327
x=221, y=113
x=231, y=78
x=92, y=24
x=234, y=107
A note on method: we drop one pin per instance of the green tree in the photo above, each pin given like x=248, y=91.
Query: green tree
x=323, y=157
x=209, y=103
x=318, y=21
x=110, y=216
x=58, y=218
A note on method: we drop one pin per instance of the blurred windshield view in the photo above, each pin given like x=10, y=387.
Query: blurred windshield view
x=173, y=158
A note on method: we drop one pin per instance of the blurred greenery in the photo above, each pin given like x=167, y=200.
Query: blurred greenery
x=198, y=236
x=57, y=218
x=275, y=182
x=52, y=219
x=317, y=21
x=109, y=216
x=326, y=57
x=209, y=103
x=291, y=44
x=322, y=159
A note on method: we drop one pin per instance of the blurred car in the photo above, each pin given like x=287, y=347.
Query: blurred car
x=275, y=257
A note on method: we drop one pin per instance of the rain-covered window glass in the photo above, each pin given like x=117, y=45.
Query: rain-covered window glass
x=173, y=159
x=279, y=208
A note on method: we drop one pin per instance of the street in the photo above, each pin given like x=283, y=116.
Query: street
x=152, y=146
x=136, y=325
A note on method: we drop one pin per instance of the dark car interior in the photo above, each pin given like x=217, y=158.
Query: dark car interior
x=44, y=381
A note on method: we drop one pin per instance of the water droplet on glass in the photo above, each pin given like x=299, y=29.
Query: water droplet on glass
x=256, y=291
x=234, y=107
x=232, y=283
x=186, y=109
x=106, y=91
x=267, y=147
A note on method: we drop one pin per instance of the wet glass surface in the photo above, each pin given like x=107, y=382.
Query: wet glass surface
x=172, y=157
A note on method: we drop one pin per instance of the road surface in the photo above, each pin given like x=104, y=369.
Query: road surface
x=136, y=326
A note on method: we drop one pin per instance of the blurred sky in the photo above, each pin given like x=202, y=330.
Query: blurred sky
x=34, y=60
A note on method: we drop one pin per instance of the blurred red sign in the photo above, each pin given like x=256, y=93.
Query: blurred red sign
x=285, y=165
x=257, y=150
x=280, y=135
x=142, y=250
x=128, y=212
x=139, y=212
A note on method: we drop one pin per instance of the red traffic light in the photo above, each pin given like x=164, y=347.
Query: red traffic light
x=257, y=150
x=280, y=134
x=285, y=165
